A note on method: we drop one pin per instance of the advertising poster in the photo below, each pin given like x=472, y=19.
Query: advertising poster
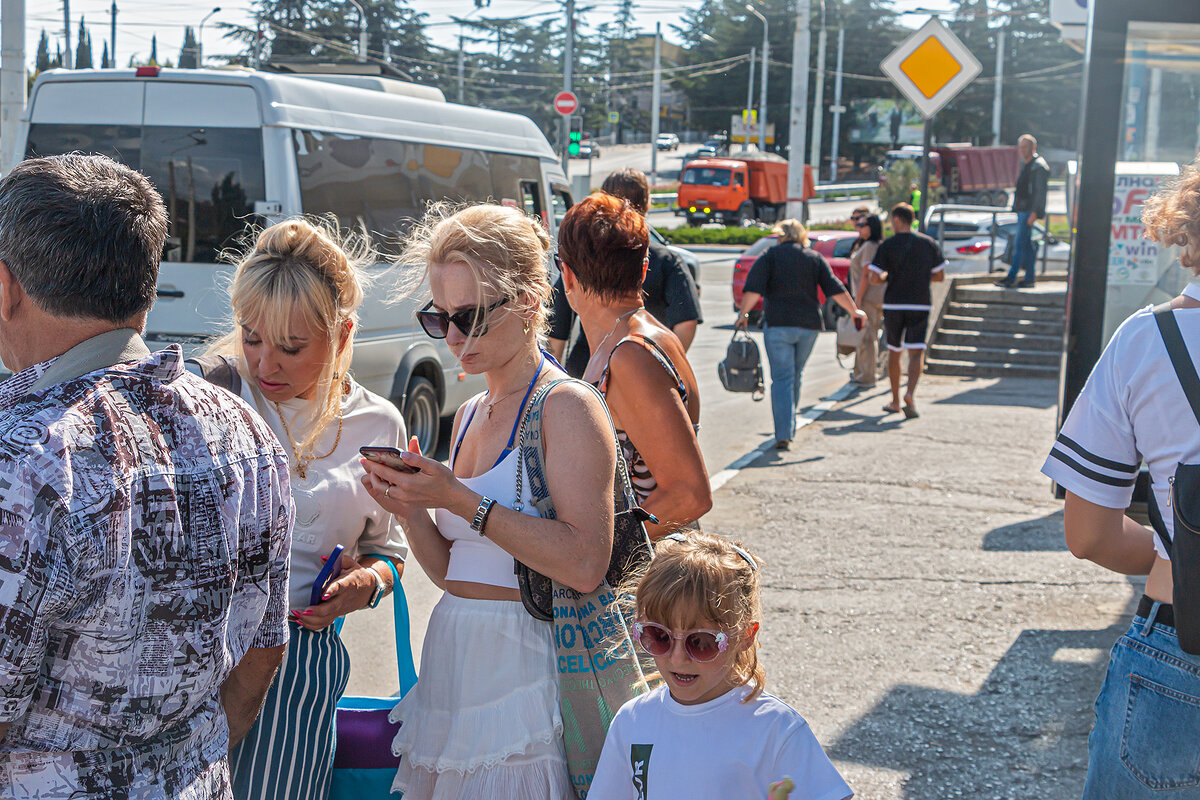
x=1140, y=272
x=883, y=120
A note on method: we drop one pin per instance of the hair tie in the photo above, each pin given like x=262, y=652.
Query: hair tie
x=679, y=537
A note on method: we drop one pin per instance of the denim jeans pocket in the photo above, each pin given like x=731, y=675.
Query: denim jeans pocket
x=1161, y=761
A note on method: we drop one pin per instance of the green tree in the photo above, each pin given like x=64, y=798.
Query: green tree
x=153, y=51
x=897, y=183
x=187, y=53
x=83, y=50
x=42, y=61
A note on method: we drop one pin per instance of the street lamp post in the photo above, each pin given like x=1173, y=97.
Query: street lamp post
x=762, y=102
x=200, y=38
x=362, y=30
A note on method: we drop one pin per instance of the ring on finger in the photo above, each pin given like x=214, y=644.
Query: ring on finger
x=385, y=492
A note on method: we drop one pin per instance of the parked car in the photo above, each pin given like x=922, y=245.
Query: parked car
x=667, y=141
x=834, y=245
x=588, y=150
x=980, y=241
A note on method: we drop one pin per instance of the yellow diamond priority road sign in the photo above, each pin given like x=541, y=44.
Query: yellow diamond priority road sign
x=931, y=67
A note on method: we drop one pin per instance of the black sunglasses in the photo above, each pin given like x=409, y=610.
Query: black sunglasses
x=471, y=321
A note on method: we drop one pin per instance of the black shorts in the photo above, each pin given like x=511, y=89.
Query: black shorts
x=905, y=330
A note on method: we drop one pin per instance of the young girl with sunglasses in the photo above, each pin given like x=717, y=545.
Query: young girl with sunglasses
x=483, y=720
x=710, y=731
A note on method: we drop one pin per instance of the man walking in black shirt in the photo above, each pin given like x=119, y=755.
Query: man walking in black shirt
x=1029, y=201
x=908, y=262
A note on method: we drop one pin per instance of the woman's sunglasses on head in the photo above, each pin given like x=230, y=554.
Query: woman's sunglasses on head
x=701, y=644
x=472, y=322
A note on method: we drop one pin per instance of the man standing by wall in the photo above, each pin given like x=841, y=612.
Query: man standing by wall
x=145, y=515
x=908, y=262
x=1029, y=201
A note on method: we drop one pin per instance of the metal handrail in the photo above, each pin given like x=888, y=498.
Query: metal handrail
x=941, y=208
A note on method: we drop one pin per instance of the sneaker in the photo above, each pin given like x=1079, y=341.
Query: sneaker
x=1004, y=284
x=783, y=444
x=1026, y=284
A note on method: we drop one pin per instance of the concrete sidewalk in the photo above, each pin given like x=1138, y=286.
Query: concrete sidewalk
x=920, y=607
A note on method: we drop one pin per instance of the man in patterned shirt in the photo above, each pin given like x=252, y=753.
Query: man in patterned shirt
x=145, y=515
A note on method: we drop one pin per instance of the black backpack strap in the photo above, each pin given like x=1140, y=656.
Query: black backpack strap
x=219, y=370
x=1177, y=350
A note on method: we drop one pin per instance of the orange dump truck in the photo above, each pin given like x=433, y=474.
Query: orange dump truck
x=733, y=190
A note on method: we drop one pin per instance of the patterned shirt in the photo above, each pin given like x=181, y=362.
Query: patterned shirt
x=145, y=521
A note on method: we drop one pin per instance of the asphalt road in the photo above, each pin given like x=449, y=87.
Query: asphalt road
x=730, y=426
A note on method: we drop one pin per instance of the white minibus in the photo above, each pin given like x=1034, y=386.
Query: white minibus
x=233, y=148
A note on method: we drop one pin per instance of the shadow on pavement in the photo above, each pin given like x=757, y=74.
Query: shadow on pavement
x=1031, y=536
x=1027, y=392
x=780, y=458
x=1023, y=734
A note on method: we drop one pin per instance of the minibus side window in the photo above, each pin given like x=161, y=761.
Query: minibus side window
x=209, y=179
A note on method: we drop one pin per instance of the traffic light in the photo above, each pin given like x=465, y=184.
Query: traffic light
x=574, y=135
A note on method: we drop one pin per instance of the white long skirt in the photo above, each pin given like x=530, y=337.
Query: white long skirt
x=483, y=720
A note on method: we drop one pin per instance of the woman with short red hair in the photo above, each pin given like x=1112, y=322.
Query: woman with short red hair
x=638, y=365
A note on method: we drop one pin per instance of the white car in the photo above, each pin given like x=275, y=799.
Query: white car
x=980, y=241
x=667, y=141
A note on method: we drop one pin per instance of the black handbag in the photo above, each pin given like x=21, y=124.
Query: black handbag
x=631, y=548
x=1184, y=548
x=742, y=371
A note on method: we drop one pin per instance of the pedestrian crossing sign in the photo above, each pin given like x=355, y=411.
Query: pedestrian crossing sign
x=931, y=67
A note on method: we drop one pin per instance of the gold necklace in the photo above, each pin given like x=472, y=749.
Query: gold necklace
x=302, y=462
x=492, y=405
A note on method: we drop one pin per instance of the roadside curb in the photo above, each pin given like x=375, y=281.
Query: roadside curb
x=807, y=418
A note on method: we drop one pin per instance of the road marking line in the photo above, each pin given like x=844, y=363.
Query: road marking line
x=807, y=418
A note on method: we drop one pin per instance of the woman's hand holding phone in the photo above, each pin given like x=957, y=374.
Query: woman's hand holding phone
x=430, y=484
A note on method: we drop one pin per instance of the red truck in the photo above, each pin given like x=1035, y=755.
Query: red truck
x=969, y=174
x=733, y=190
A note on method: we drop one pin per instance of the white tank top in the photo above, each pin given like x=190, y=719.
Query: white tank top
x=476, y=558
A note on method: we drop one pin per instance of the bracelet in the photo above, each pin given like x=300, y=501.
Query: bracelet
x=481, y=515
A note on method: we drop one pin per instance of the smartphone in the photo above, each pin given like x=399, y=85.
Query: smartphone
x=388, y=456
x=328, y=574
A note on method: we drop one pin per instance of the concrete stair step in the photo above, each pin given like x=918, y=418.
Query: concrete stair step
x=1007, y=311
x=939, y=366
x=1053, y=295
x=954, y=322
x=1024, y=342
x=994, y=355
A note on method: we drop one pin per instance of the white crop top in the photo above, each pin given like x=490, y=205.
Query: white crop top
x=476, y=558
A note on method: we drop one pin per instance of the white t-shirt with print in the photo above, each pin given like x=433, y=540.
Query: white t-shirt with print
x=658, y=749
x=1132, y=409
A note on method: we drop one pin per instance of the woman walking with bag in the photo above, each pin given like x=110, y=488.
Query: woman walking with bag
x=295, y=296
x=868, y=296
x=483, y=720
x=1134, y=408
x=786, y=277
x=638, y=365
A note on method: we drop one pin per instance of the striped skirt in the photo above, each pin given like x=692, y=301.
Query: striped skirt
x=288, y=754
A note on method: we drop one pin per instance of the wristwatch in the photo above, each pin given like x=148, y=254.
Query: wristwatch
x=481, y=514
x=380, y=589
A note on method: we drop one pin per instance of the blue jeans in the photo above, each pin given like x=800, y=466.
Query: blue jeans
x=1024, y=252
x=1144, y=743
x=788, y=349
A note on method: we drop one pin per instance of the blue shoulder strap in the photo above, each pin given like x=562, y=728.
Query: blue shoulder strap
x=405, y=668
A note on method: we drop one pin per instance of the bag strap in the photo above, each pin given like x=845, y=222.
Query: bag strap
x=1185, y=371
x=532, y=456
x=405, y=668
x=1177, y=350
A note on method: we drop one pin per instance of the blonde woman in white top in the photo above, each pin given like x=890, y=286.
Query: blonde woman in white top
x=483, y=721
x=295, y=296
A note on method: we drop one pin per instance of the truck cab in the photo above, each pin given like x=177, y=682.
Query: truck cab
x=714, y=190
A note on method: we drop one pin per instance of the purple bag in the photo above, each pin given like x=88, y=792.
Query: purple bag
x=363, y=764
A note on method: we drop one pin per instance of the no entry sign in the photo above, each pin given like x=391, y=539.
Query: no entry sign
x=566, y=103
